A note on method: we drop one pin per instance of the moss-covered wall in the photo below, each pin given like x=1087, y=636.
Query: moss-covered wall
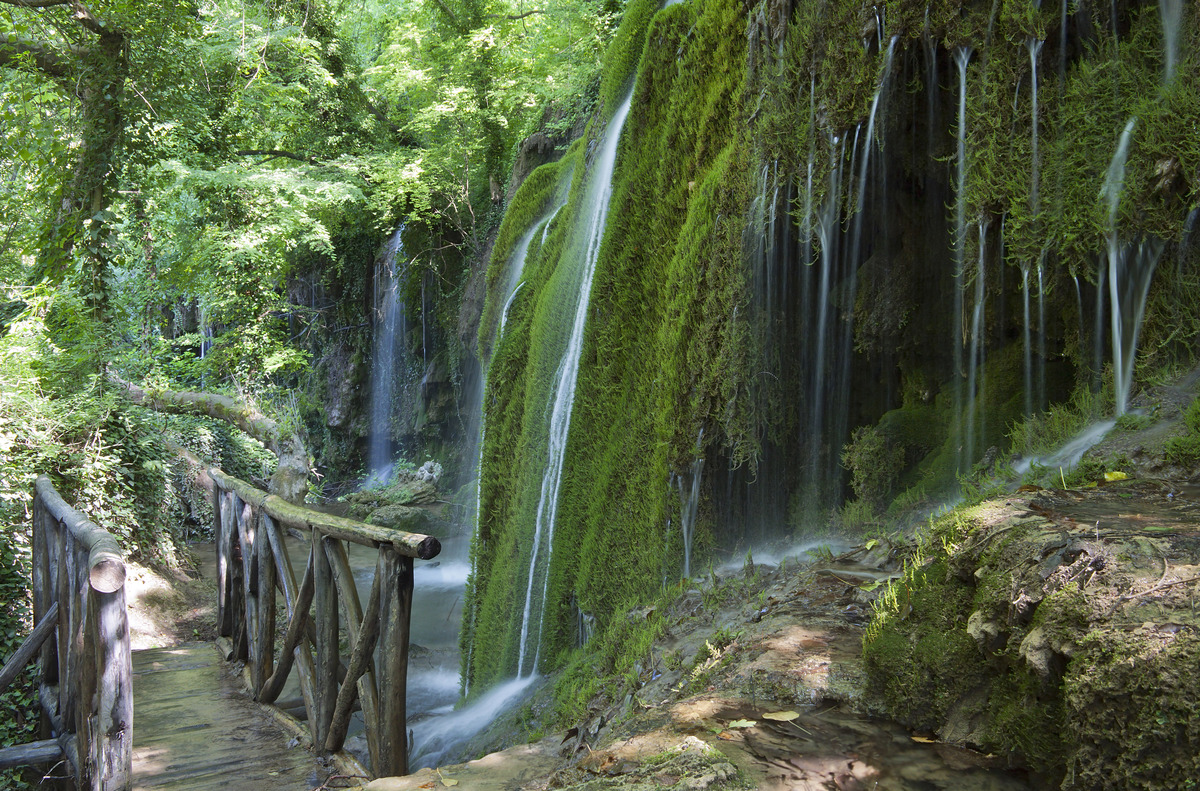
x=742, y=188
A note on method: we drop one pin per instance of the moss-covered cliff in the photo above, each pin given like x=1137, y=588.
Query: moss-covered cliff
x=825, y=216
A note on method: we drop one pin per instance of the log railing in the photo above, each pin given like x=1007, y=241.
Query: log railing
x=253, y=564
x=81, y=633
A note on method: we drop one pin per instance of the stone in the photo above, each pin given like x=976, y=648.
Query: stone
x=401, y=517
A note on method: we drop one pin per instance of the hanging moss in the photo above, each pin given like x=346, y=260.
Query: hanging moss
x=676, y=342
x=662, y=332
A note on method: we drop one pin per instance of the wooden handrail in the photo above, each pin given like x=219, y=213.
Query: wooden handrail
x=82, y=636
x=254, y=568
x=412, y=545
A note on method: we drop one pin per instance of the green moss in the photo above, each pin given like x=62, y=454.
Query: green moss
x=623, y=54
x=922, y=660
x=674, y=343
x=1185, y=450
x=532, y=206
x=661, y=351
x=1130, y=701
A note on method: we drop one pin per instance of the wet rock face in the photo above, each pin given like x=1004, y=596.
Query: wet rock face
x=340, y=376
x=534, y=151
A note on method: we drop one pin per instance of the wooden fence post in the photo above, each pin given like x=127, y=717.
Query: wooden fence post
x=395, y=608
x=328, y=659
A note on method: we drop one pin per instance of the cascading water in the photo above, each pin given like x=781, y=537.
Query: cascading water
x=842, y=239
x=1034, y=46
x=1129, y=273
x=1040, y=379
x=689, y=503
x=390, y=325
x=962, y=57
x=594, y=213
x=515, y=267
x=1171, y=12
x=975, y=359
x=1028, y=342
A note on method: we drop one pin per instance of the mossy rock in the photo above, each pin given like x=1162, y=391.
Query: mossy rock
x=1131, y=709
x=402, y=517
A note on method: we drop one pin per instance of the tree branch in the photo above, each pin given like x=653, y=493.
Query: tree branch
x=446, y=8
x=46, y=59
x=272, y=154
x=35, y=3
x=88, y=21
x=290, y=480
x=514, y=17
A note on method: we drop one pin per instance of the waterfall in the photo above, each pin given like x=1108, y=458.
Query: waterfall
x=1079, y=307
x=1171, y=13
x=962, y=57
x=975, y=359
x=827, y=378
x=1028, y=344
x=828, y=228
x=689, y=503
x=839, y=428
x=389, y=343
x=1130, y=270
x=595, y=213
x=515, y=267
x=1111, y=192
x=1062, y=48
x=1034, y=46
x=1040, y=380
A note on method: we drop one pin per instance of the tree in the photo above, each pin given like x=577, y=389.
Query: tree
x=86, y=56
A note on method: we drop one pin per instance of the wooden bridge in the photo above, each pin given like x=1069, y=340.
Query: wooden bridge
x=176, y=717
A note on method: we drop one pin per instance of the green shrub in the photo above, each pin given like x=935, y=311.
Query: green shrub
x=1185, y=450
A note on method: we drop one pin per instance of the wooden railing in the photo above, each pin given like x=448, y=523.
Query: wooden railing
x=253, y=563
x=81, y=630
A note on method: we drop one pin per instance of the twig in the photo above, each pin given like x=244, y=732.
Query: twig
x=326, y=787
x=1158, y=587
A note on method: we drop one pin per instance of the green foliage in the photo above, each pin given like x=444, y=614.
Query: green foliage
x=1051, y=429
x=26, y=439
x=612, y=662
x=874, y=463
x=1185, y=450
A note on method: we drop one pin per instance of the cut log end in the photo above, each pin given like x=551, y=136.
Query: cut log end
x=429, y=548
x=107, y=575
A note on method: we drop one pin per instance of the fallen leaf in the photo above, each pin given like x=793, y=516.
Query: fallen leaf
x=742, y=724
x=449, y=781
x=780, y=716
x=924, y=740
x=430, y=784
x=1115, y=475
x=871, y=544
x=726, y=736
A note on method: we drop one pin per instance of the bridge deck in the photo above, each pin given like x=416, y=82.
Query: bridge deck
x=195, y=729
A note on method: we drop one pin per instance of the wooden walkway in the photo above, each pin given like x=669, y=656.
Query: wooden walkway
x=195, y=729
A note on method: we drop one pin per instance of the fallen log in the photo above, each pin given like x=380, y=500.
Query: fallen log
x=290, y=480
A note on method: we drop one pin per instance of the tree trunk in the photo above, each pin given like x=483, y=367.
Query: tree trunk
x=290, y=480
